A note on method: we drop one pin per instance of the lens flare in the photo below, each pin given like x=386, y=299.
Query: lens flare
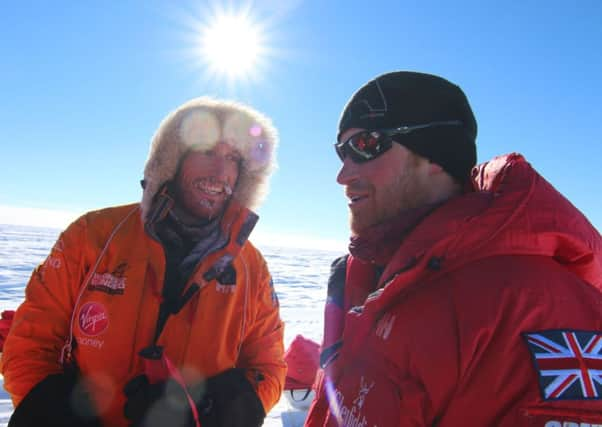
x=255, y=130
x=333, y=402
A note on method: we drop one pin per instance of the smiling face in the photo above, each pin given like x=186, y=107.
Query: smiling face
x=382, y=188
x=205, y=182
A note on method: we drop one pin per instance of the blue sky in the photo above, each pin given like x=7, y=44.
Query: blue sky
x=84, y=85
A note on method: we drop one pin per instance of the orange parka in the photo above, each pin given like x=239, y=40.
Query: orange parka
x=102, y=282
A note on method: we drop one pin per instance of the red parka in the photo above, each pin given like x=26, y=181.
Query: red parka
x=488, y=314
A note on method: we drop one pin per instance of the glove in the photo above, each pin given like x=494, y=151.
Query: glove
x=56, y=401
x=228, y=400
x=224, y=400
x=158, y=404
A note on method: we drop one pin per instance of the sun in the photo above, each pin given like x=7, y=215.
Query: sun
x=232, y=44
x=229, y=45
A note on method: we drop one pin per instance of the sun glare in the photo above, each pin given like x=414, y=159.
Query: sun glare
x=231, y=45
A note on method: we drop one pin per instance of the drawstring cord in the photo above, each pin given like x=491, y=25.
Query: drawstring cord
x=66, y=351
x=158, y=367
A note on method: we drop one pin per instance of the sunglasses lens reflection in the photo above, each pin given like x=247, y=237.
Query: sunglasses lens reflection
x=363, y=146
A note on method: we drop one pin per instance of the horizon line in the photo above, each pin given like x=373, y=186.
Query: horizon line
x=60, y=219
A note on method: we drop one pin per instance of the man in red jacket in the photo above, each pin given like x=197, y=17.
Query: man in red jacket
x=471, y=296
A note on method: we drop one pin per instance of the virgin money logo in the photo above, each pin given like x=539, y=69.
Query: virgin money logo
x=93, y=318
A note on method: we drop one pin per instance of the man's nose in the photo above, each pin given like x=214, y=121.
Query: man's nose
x=218, y=165
x=348, y=172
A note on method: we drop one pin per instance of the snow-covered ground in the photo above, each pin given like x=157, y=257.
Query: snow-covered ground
x=300, y=278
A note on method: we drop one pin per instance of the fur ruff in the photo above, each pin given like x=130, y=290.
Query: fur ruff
x=200, y=124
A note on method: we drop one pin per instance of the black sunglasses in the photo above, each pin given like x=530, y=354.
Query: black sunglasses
x=367, y=145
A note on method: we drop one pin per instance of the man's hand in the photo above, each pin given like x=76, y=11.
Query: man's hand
x=56, y=401
x=228, y=400
x=158, y=404
x=224, y=400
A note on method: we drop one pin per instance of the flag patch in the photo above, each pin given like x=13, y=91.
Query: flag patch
x=568, y=363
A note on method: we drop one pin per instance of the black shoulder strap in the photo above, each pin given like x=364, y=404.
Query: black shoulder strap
x=336, y=281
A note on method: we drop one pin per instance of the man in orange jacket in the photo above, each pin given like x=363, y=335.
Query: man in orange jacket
x=159, y=312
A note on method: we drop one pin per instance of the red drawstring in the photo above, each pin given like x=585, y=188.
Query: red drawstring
x=175, y=374
x=158, y=370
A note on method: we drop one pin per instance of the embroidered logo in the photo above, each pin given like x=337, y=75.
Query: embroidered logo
x=364, y=390
x=50, y=262
x=91, y=342
x=93, y=319
x=224, y=289
x=385, y=325
x=568, y=363
x=372, y=104
x=53, y=262
x=110, y=283
x=351, y=416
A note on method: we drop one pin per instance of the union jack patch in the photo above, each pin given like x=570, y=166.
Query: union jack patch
x=568, y=363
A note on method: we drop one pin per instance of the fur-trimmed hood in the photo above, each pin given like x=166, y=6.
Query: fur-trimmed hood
x=201, y=123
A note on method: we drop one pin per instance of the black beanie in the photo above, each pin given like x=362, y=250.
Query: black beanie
x=408, y=98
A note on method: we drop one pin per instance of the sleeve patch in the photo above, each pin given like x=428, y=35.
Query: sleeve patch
x=568, y=363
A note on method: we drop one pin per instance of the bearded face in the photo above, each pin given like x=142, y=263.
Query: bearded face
x=205, y=181
x=382, y=188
